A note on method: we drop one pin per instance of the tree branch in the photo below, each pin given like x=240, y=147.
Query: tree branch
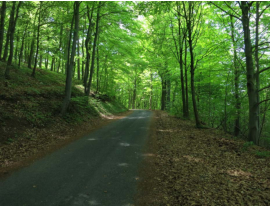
x=264, y=69
x=264, y=88
x=264, y=10
x=263, y=101
x=226, y=11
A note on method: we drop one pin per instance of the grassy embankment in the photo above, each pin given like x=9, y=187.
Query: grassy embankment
x=30, y=118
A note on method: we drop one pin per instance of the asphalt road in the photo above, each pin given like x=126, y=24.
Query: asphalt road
x=98, y=169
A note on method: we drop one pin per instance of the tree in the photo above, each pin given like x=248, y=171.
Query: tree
x=12, y=22
x=71, y=61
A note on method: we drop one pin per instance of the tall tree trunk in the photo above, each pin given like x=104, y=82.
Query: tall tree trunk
x=21, y=50
x=186, y=80
x=97, y=89
x=94, y=49
x=78, y=60
x=151, y=90
x=38, y=29
x=17, y=48
x=168, y=92
x=83, y=63
x=12, y=31
x=11, y=19
x=60, y=46
x=134, y=93
x=88, y=49
x=53, y=58
x=251, y=77
x=163, y=93
x=40, y=60
x=236, y=84
x=2, y=25
x=71, y=62
x=257, y=67
x=192, y=67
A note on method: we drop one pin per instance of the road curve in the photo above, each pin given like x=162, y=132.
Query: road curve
x=98, y=169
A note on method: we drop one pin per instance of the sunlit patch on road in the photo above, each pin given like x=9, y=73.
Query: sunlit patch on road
x=93, y=202
x=91, y=139
x=123, y=164
x=135, y=117
x=124, y=144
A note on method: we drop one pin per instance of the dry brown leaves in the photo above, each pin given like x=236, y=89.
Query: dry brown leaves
x=197, y=167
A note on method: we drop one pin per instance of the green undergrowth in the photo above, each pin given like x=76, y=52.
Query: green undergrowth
x=28, y=102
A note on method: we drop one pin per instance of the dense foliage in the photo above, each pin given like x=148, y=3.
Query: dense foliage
x=207, y=60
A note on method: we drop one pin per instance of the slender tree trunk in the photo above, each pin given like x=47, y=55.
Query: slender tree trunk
x=257, y=67
x=192, y=70
x=11, y=19
x=2, y=25
x=151, y=90
x=78, y=60
x=251, y=77
x=168, y=92
x=12, y=31
x=83, y=63
x=40, y=60
x=163, y=93
x=38, y=29
x=186, y=81
x=71, y=62
x=22, y=46
x=134, y=93
x=52, y=63
x=88, y=49
x=97, y=89
x=94, y=48
x=236, y=84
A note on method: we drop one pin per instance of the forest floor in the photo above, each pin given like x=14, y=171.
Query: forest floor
x=190, y=166
x=30, y=121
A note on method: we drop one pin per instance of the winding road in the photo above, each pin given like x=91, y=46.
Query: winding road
x=98, y=169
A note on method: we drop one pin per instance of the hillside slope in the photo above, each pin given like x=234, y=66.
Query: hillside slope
x=30, y=120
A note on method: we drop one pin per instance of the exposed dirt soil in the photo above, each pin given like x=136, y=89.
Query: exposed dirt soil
x=24, y=151
x=190, y=166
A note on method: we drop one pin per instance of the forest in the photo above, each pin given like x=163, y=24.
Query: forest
x=204, y=61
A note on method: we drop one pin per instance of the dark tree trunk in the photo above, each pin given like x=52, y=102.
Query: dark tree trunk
x=257, y=68
x=251, y=77
x=38, y=29
x=2, y=25
x=163, y=93
x=83, y=63
x=21, y=50
x=236, y=84
x=189, y=20
x=168, y=92
x=12, y=31
x=151, y=90
x=97, y=89
x=30, y=57
x=186, y=81
x=78, y=60
x=88, y=49
x=11, y=20
x=60, y=46
x=40, y=60
x=52, y=63
x=71, y=62
x=94, y=49
x=134, y=93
